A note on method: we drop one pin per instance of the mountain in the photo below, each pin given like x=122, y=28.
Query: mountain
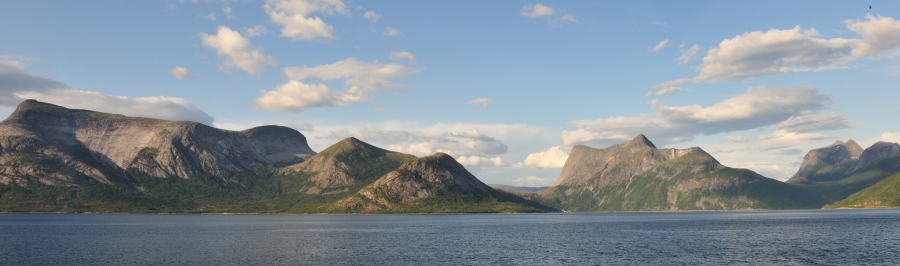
x=346, y=164
x=636, y=176
x=884, y=194
x=53, y=145
x=54, y=159
x=433, y=184
x=828, y=163
x=840, y=170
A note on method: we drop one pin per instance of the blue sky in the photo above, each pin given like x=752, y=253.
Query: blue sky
x=506, y=87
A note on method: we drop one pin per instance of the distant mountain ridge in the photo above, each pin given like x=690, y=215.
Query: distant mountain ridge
x=636, y=176
x=828, y=163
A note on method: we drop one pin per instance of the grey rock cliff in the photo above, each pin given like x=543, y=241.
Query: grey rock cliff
x=879, y=150
x=828, y=163
x=55, y=145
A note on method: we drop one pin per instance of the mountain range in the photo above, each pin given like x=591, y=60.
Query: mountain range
x=55, y=159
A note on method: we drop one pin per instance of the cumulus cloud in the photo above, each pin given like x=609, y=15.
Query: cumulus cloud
x=536, y=11
x=404, y=55
x=236, y=51
x=180, y=73
x=363, y=78
x=481, y=101
x=534, y=181
x=372, y=16
x=778, y=51
x=659, y=46
x=689, y=55
x=889, y=137
x=296, y=22
x=466, y=143
x=480, y=161
x=756, y=107
x=737, y=139
x=554, y=157
x=666, y=91
x=390, y=31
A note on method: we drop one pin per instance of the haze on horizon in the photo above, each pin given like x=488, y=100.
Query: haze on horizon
x=506, y=88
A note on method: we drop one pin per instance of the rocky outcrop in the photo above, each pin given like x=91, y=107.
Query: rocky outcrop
x=427, y=177
x=828, y=163
x=55, y=145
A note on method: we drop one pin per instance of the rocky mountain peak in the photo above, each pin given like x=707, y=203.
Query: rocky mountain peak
x=640, y=141
x=828, y=163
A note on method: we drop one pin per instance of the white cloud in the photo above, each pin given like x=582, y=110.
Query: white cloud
x=362, y=78
x=389, y=31
x=379, y=109
x=481, y=161
x=781, y=139
x=776, y=51
x=404, y=55
x=666, y=91
x=211, y=16
x=813, y=122
x=554, y=157
x=180, y=73
x=13, y=79
x=534, y=181
x=227, y=11
x=536, y=11
x=481, y=101
x=735, y=139
x=689, y=55
x=889, y=137
x=16, y=61
x=771, y=170
x=879, y=34
x=372, y=16
x=659, y=46
x=757, y=107
x=237, y=51
x=564, y=19
x=294, y=17
x=255, y=31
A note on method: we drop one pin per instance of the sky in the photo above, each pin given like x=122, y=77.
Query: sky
x=505, y=87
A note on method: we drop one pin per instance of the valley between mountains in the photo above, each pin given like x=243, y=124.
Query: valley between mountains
x=55, y=159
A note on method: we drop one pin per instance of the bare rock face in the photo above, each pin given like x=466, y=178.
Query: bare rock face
x=55, y=145
x=879, y=150
x=615, y=164
x=829, y=163
x=431, y=176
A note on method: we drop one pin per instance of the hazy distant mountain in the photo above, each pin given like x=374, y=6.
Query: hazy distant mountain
x=436, y=183
x=516, y=189
x=828, y=163
x=636, y=176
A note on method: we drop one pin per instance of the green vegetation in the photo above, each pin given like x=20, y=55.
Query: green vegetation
x=884, y=194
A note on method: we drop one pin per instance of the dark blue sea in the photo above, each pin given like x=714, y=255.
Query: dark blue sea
x=814, y=237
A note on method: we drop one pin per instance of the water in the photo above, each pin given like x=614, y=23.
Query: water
x=717, y=238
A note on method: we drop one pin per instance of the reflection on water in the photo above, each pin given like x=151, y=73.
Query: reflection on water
x=763, y=237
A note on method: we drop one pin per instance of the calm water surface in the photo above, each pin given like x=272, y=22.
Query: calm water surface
x=757, y=238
